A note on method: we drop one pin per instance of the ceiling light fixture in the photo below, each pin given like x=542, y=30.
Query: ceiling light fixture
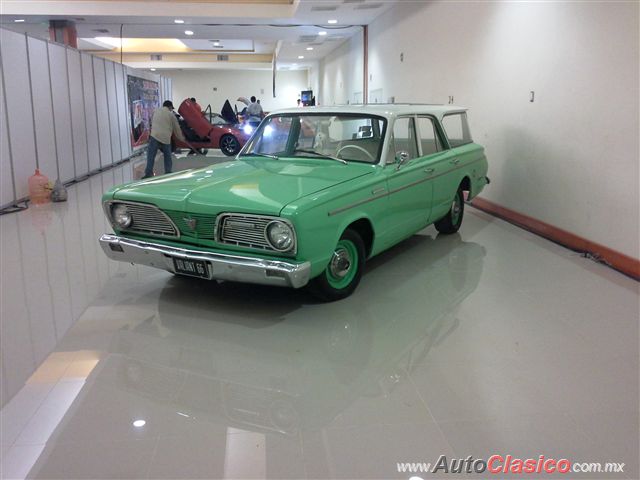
x=216, y=44
x=152, y=69
x=323, y=33
x=188, y=32
x=139, y=423
x=19, y=20
x=332, y=22
x=309, y=48
x=177, y=20
x=300, y=57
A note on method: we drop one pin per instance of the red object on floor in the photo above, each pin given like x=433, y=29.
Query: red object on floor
x=39, y=191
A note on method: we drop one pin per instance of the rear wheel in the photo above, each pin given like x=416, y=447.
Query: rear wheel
x=451, y=222
x=229, y=145
x=342, y=275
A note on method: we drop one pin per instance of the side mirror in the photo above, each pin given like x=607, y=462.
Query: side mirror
x=401, y=158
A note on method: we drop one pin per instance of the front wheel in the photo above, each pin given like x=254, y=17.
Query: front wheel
x=229, y=145
x=451, y=222
x=342, y=275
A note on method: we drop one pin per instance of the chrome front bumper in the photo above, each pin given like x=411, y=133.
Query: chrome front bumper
x=220, y=266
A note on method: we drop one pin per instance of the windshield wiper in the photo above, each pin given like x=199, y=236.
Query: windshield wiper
x=322, y=155
x=254, y=154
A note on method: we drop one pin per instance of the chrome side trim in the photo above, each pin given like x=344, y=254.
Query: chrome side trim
x=404, y=187
x=454, y=169
x=221, y=266
x=357, y=204
x=409, y=185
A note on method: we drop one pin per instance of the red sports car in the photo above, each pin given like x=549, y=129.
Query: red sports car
x=217, y=131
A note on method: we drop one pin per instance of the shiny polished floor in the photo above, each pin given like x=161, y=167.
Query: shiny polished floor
x=493, y=341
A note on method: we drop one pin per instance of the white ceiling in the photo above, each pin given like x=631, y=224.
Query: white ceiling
x=244, y=28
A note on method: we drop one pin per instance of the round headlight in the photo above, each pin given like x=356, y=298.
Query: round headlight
x=121, y=215
x=280, y=236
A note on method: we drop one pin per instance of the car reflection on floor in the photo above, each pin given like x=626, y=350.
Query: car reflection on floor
x=242, y=358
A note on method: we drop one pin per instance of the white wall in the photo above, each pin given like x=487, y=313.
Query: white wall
x=231, y=84
x=341, y=73
x=571, y=157
x=314, y=81
x=61, y=111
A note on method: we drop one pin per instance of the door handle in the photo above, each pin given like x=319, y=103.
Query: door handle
x=455, y=161
x=429, y=170
x=378, y=190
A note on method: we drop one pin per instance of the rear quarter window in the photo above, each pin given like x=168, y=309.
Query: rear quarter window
x=456, y=128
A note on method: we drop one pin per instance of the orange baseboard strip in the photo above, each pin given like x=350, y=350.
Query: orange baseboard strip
x=621, y=262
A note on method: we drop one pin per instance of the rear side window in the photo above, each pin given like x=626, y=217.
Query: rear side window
x=457, y=129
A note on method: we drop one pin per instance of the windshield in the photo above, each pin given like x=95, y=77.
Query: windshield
x=343, y=137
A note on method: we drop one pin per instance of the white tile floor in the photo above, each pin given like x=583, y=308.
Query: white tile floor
x=493, y=341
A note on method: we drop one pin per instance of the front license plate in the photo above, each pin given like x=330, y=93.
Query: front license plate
x=193, y=268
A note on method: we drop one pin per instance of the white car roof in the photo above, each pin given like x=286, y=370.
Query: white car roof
x=387, y=110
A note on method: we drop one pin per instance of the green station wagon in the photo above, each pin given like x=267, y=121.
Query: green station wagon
x=311, y=196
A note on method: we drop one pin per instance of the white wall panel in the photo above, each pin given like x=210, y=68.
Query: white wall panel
x=7, y=195
x=557, y=159
x=67, y=112
x=112, y=105
x=166, y=88
x=128, y=71
x=102, y=109
x=91, y=117
x=41, y=94
x=123, y=123
x=62, y=111
x=16, y=77
x=77, y=113
x=163, y=90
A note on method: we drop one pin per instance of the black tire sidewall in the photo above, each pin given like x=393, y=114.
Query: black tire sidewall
x=229, y=153
x=445, y=225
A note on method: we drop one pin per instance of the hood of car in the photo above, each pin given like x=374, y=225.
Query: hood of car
x=251, y=185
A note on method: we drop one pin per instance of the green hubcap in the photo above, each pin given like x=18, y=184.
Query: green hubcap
x=343, y=265
x=456, y=209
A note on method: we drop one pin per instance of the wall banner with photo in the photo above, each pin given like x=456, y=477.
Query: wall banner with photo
x=144, y=99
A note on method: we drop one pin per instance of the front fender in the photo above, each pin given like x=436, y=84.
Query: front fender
x=321, y=219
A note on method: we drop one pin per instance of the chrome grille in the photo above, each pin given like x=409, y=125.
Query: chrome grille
x=244, y=231
x=203, y=229
x=149, y=220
